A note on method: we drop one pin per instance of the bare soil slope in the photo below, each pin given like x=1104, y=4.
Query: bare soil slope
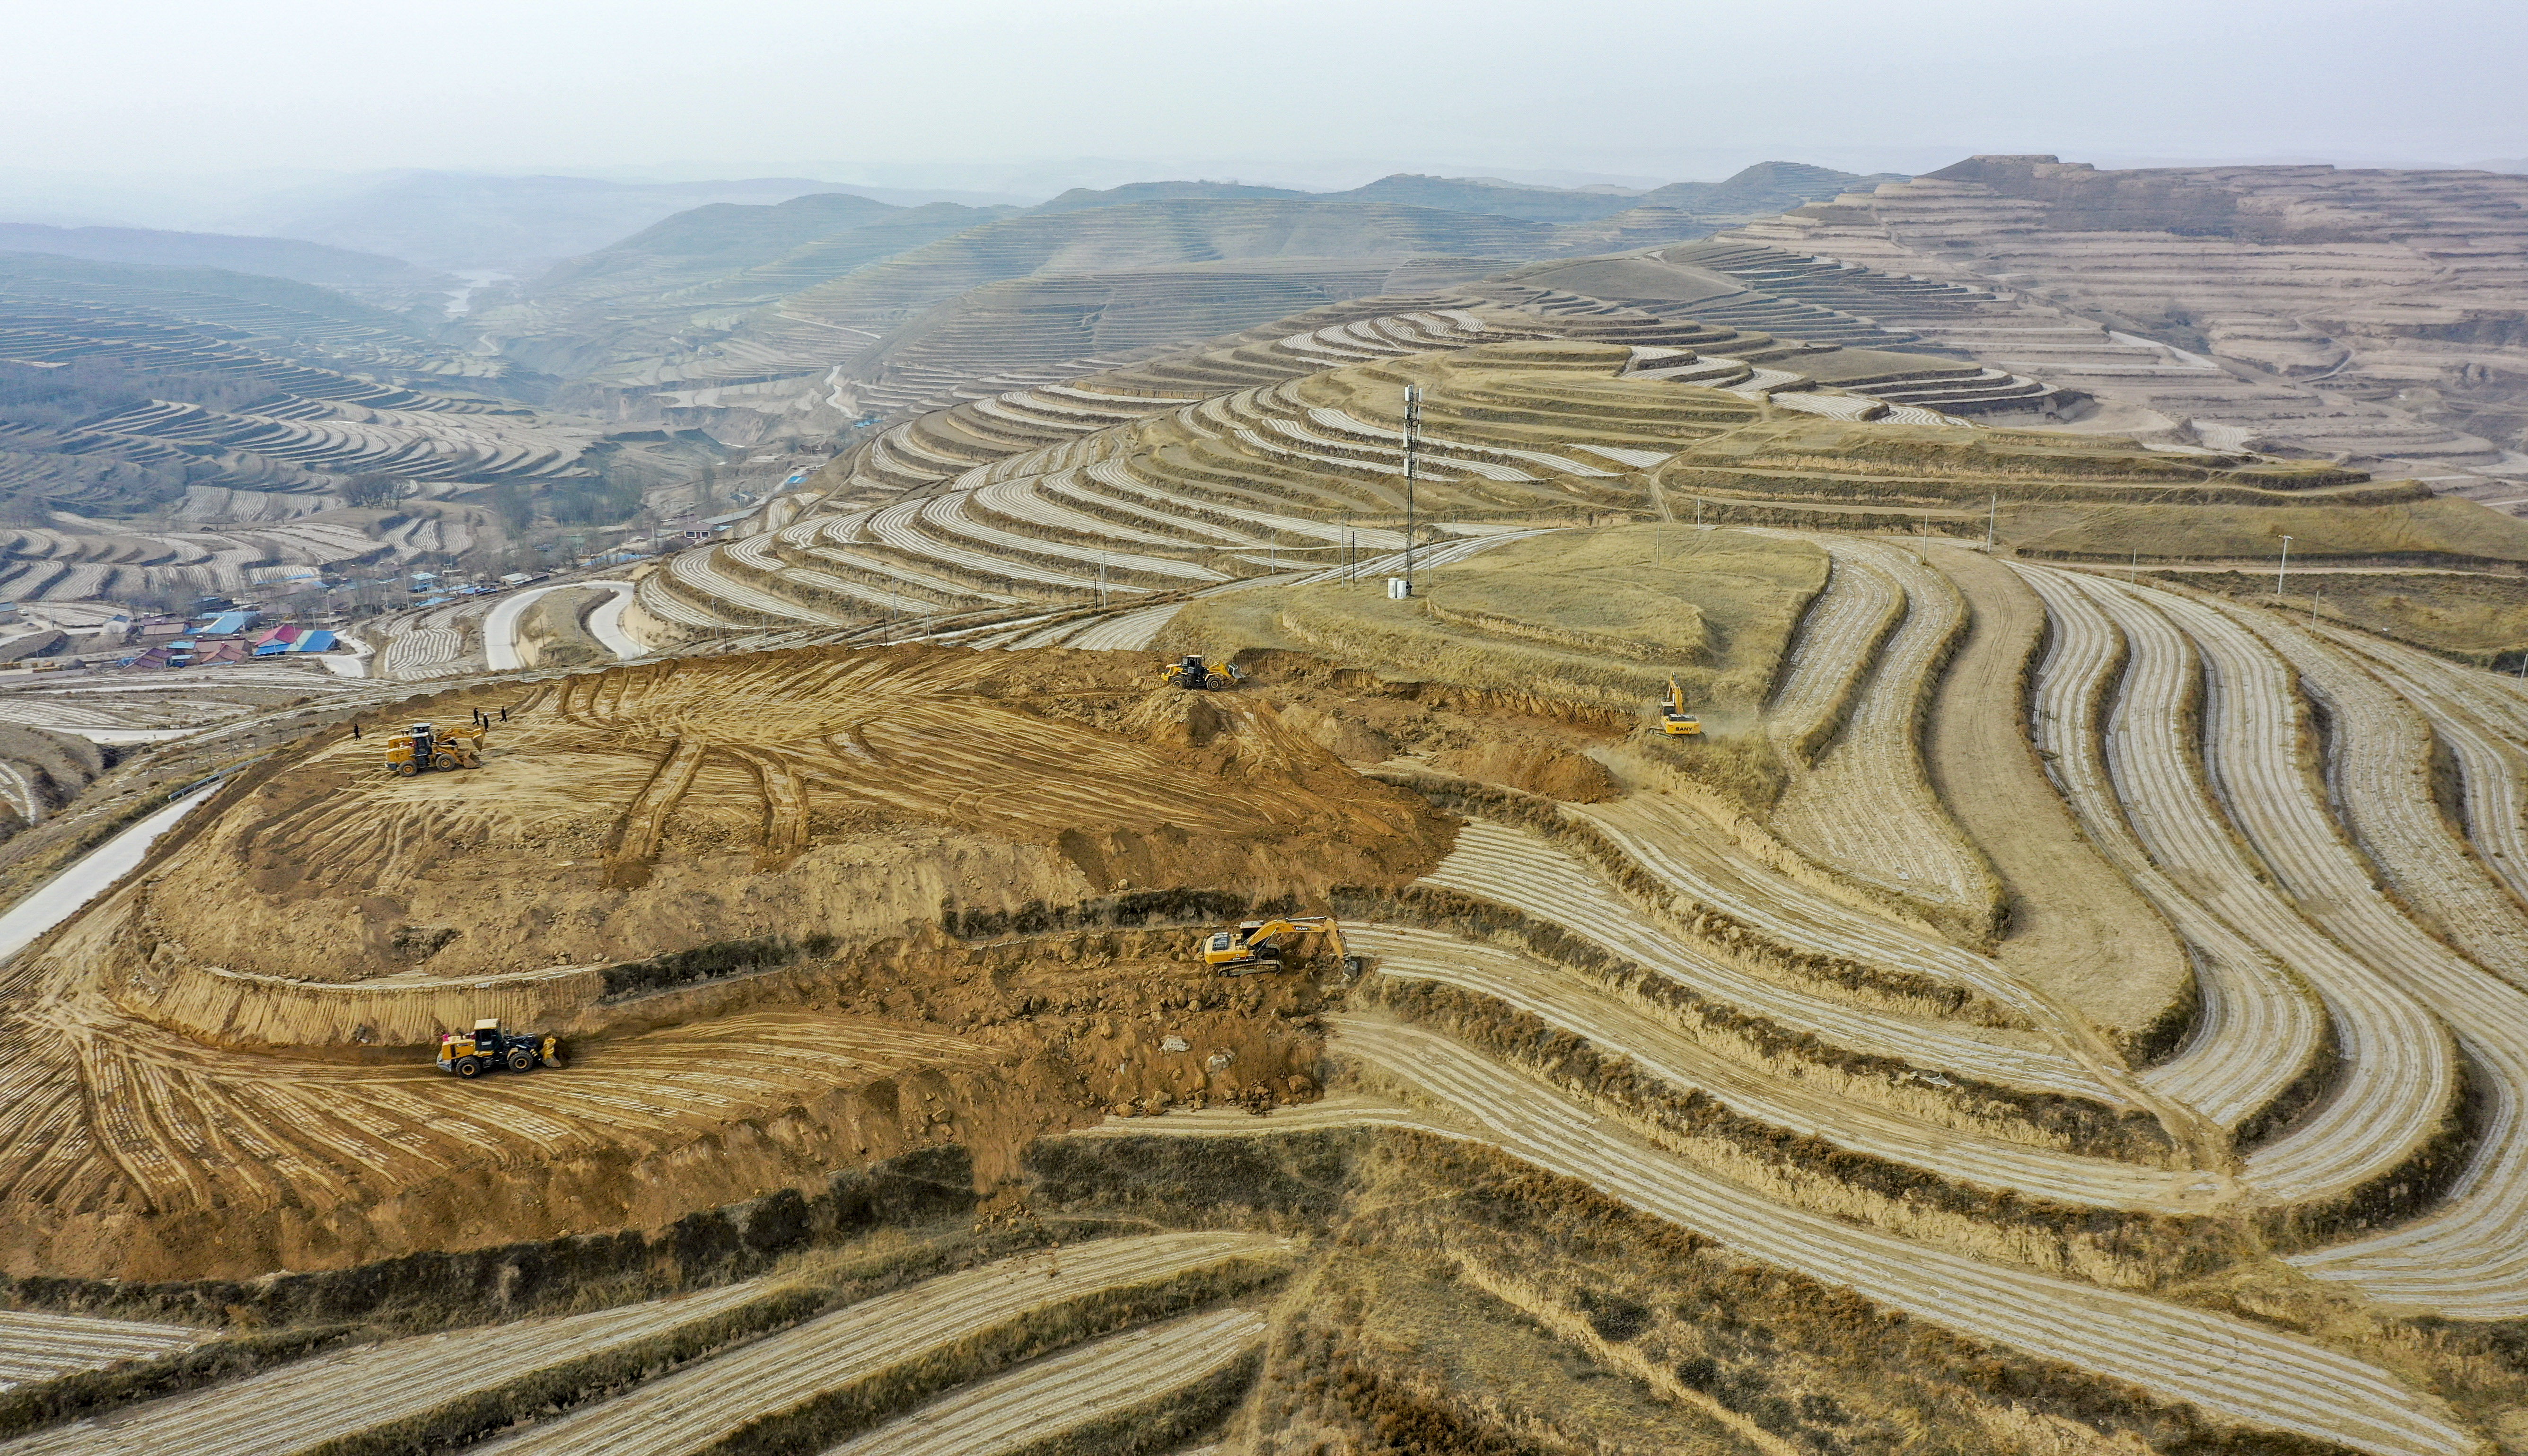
x=645, y=810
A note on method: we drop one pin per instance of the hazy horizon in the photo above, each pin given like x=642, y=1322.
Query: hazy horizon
x=1017, y=102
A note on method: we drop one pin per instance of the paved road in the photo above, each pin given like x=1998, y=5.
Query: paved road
x=62, y=896
x=501, y=627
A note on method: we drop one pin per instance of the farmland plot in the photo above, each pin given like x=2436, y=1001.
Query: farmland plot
x=315, y=1403
x=1867, y=808
x=2243, y=1372
x=36, y=1346
x=1121, y=1377
x=863, y=1345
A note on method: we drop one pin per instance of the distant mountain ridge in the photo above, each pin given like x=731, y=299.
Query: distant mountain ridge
x=1765, y=188
x=461, y=221
x=723, y=236
x=266, y=257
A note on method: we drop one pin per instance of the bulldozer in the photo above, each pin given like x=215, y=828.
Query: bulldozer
x=1258, y=945
x=1674, y=720
x=423, y=746
x=487, y=1046
x=1191, y=673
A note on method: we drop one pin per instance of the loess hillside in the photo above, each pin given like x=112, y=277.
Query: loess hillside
x=2066, y=1000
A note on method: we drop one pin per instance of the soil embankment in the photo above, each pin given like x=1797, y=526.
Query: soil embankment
x=794, y=912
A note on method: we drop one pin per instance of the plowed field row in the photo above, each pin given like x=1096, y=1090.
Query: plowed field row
x=1097, y=1383
x=333, y=1397
x=1867, y=808
x=1560, y=999
x=2257, y=1029
x=1836, y=644
x=2397, y=1076
x=36, y=1346
x=2469, y=1259
x=2473, y=721
x=2225, y=1366
x=694, y=1409
x=1519, y=869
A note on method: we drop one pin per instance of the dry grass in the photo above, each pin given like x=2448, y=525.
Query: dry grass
x=2441, y=531
x=2477, y=618
x=1600, y=616
x=1805, y=456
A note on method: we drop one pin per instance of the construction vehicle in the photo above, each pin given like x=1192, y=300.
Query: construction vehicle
x=423, y=746
x=1191, y=673
x=1259, y=945
x=1674, y=720
x=472, y=1054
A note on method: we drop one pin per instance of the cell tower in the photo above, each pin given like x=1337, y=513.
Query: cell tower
x=1413, y=441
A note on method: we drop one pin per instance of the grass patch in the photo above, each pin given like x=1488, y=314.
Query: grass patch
x=1807, y=456
x=1602, y=615
x=2478, y=619
x=2442, y=531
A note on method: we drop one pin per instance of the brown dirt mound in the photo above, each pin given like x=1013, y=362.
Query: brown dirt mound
x=130, y=1152
x=1537, y=768
x=642, y=811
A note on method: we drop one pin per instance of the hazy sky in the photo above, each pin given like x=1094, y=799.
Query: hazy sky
x=977, y=92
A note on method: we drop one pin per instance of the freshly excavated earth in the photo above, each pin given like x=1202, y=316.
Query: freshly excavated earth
x=217, y=1070
x=646, y=811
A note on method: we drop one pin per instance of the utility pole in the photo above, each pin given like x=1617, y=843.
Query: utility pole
x=2279, y=571
x=2133, y=568
x=1992, y=521
x=1698, y=513
x=2312, y=607
x=1412, y=440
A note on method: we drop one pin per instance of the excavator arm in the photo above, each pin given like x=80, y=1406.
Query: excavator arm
x=1256, y=945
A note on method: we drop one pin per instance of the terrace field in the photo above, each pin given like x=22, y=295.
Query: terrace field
x=2067, y=1000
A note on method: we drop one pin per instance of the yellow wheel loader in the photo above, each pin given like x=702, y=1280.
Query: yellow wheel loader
x=1674, y=720
x=423, y=746
x=1259, y=945
x=1191, y=672
x=469, y=1055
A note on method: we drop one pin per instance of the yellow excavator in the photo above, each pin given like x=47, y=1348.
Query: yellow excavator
x=1191, y=672
x=423, y=746
x=1259, y=945
x=1674, y=720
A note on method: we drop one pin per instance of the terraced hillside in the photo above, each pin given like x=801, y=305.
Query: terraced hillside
x=1283, y=449
x=2189, y=1203
x=2353, y=314
x=2045, y=1009
x=139, y=405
